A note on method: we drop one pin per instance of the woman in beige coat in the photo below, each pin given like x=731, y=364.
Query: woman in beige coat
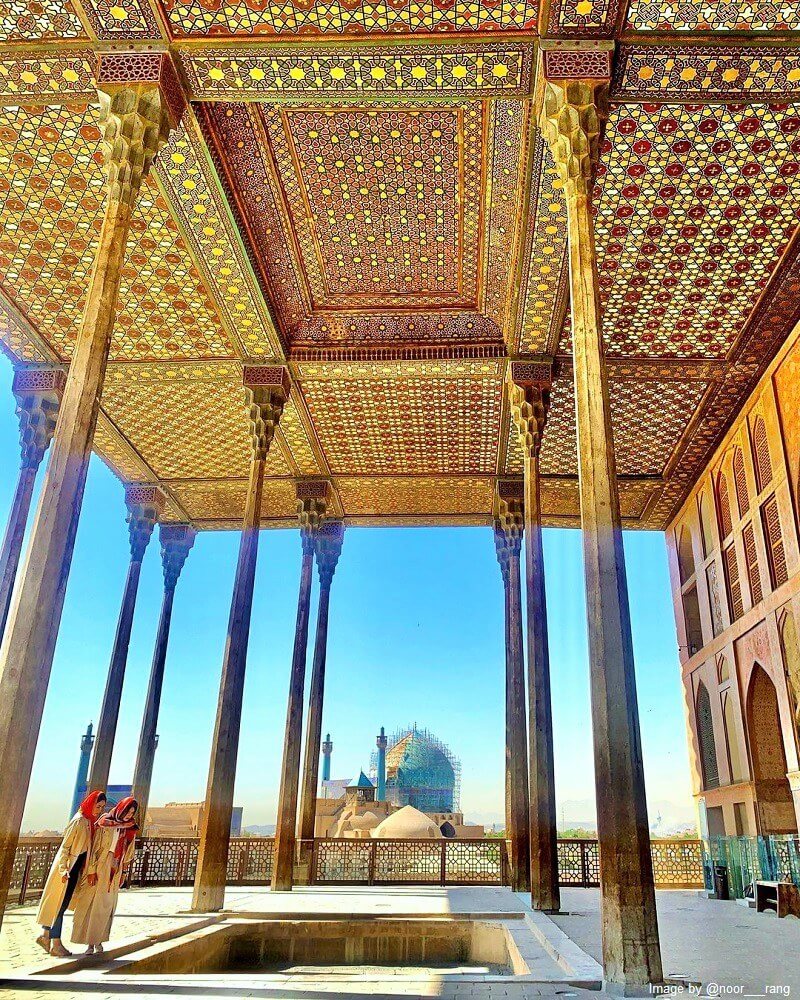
x=66, y=872
x=108, y=861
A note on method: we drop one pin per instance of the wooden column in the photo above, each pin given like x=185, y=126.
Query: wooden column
x=575, y=97
x=508, y=540
x=529, y=394
x=328, y=541
x=37, y=390
x=145, y=504
x=312, y=499
x=267, y=389
x=176, y=541
x=140, y=100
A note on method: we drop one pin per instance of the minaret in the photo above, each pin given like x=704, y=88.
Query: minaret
x=382, y=743
x=83, y=769
x=327, y=750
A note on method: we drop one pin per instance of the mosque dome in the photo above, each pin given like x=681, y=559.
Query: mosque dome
x=420, y=772
x=407, y=823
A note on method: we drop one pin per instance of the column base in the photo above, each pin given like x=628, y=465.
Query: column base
x=215, y=902
x=281, y=887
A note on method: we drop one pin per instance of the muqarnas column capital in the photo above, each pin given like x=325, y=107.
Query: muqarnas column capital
x=529, y=384
x=328, y=541
x=176, y=542
x=37, y=390
x=267, y=388
x=313, y=496
x=145, y=505
x=574, y=107
x=141, y=101
x=509, y=521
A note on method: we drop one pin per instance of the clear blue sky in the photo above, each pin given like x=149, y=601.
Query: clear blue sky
x=416, y=634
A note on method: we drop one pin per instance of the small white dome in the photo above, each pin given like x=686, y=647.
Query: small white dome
x=407, y=823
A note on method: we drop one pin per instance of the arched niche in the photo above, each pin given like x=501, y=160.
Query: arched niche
x=705, y=738
x=768, y=755
x=685, y=554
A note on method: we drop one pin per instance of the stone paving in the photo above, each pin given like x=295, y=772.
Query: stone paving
x=708, y=941
x=717, y=943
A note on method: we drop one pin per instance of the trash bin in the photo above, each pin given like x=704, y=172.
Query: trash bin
x=721, y=885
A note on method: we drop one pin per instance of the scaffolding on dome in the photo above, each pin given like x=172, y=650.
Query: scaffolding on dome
x=421, y=771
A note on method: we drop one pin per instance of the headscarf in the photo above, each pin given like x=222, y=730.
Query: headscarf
x=86, y=810
x=127, y=827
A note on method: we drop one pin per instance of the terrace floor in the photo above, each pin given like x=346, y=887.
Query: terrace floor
x=707, y=941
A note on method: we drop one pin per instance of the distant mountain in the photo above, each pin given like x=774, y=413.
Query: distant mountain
x=268, y=830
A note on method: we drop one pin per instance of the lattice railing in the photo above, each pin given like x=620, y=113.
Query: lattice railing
x=677, y=864
x=32, y=862
x=345, y=861
x=164, y=861
x=173, y=861
x=474, y=862
x=250, y=861
x=578, y=862
x=411, y=862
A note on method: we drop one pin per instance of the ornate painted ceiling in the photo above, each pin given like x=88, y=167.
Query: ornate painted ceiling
x=359, y=190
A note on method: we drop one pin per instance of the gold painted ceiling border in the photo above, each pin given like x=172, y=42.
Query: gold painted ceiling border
x=278, y=71
x=190, y=185
x=713, y=69
x=507, y=214
x=649, y=67
x=486, y=368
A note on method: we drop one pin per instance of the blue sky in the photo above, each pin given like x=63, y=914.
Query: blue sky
x=416, y=634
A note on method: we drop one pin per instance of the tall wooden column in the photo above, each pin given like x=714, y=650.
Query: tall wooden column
x=176, y=541
x=37, y=390
x=267, y=389
x=328, y=541
x=529, y=393
x=140, y=99
x=312, y=499
x=145, y=504
x=508, y=530
x=575, y=99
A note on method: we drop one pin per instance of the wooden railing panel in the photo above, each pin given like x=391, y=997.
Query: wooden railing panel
x=473, y=862
x=677, y=864
x=347, y=862
x=173, y=861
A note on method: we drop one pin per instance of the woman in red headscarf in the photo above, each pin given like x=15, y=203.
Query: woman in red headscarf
x=110, y=856
x=66, y=872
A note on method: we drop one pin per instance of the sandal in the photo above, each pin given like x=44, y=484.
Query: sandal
x=44, y=941
x=58, y=950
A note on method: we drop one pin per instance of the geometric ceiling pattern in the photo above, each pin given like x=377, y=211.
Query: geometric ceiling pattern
x=51, y=196
x=713, y=15
x=694, y=211
x=360, y=216
x=360, y=191
x=189, y=18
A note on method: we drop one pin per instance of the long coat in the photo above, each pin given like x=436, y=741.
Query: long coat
x=95, y=905
x=77, y=838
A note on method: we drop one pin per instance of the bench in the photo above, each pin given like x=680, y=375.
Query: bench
x=783, y=897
